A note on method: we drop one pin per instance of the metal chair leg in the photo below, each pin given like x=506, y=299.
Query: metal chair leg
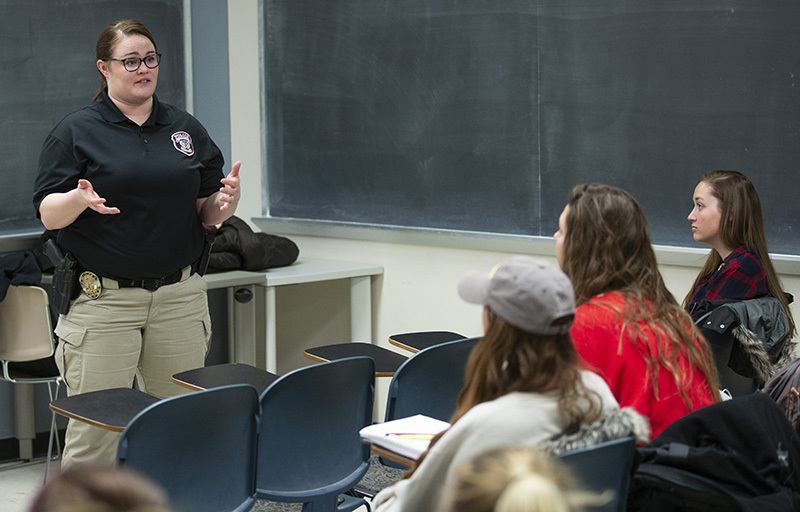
x=53, y=431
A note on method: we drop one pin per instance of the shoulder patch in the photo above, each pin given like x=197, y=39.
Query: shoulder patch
x=183, y=143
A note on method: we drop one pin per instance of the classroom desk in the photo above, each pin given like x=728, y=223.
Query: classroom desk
x=110, y=409
x=386, y=361
x=416, y=341
x=224, y=375
x=393, y=456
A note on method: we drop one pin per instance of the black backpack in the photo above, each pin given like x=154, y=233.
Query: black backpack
x=784, y=388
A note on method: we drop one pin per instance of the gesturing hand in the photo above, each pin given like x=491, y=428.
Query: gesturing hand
x=230, y=192
x=94, y=201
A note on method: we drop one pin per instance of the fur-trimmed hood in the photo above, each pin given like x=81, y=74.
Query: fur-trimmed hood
x=622, y=423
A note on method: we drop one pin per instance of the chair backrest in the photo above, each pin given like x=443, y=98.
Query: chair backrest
x=429, y=382
x=26, y=333
x=602, y=467
x=199, y=446
x=309, y=447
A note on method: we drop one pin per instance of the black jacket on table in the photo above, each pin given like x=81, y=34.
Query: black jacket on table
x=237, y=247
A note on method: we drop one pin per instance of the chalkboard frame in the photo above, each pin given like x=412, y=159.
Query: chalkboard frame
x=679, y=254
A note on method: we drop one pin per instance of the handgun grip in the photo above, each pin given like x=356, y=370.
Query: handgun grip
x=53, y=252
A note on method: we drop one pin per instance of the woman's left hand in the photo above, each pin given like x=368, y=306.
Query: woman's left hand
x=229, y=194
x=220, y=205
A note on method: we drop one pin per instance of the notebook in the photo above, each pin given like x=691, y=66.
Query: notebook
x=408, y=436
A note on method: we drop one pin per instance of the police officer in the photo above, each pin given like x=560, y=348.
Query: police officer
x=128, y=182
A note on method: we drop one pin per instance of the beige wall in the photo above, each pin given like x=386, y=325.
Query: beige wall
x=418, y=288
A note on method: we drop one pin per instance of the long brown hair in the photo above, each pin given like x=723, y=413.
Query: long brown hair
x=741, y=225
x=607, y=248
x=508, y=359
x=108, y=39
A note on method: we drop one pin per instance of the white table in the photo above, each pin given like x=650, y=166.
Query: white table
x=312, y=271
x=242, y=341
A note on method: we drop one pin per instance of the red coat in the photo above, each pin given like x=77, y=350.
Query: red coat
x=598, y=337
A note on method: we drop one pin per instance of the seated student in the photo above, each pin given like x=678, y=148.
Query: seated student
x=628, y=327
x=738, y=283
x=94, y=487
x=738, y=266
x=522, y=385
x=518, y=480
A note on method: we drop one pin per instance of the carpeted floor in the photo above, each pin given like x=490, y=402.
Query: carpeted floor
x=377, y=477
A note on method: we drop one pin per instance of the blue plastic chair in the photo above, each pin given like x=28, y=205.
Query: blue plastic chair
x=309, y=447
x=429, y=381
x=603, y=467
x=200, y=447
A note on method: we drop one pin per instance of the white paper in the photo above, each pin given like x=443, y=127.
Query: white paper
x=399, y=435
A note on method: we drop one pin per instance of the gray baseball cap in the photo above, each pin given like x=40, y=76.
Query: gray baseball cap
x=526, y=292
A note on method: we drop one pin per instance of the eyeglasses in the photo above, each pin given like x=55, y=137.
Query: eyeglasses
x=133, y=63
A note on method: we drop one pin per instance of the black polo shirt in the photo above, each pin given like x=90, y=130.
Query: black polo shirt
x=153, y=173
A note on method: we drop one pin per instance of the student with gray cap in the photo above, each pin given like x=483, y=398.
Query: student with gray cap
x=523, y=385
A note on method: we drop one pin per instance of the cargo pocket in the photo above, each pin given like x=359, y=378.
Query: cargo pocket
x=69, y=358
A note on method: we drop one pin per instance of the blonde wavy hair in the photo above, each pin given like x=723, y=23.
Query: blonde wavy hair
x=519, y=480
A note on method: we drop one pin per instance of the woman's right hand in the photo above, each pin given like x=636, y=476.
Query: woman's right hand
x=94, y=201
x=60, y=209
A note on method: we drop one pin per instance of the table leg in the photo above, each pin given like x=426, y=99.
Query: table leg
x=244, y=339
x=360, y=309
x=271, y=353
x=231, y=325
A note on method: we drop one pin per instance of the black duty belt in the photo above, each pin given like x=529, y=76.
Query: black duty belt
x=92, y=284
x=151, y=284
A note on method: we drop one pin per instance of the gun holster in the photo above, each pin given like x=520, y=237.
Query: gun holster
x=202, y=265
x=65, y=278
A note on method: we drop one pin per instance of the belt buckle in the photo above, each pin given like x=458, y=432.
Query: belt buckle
x=152, y=285
x=90, y=284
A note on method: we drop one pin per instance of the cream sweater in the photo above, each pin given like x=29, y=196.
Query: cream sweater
x=515, y=419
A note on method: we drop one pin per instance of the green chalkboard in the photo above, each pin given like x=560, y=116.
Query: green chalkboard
x=481, y=115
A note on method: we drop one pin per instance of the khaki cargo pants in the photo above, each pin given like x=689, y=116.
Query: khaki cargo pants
x=105, y=342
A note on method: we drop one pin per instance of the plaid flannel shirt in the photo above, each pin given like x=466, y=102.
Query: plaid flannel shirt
x=740, y=277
